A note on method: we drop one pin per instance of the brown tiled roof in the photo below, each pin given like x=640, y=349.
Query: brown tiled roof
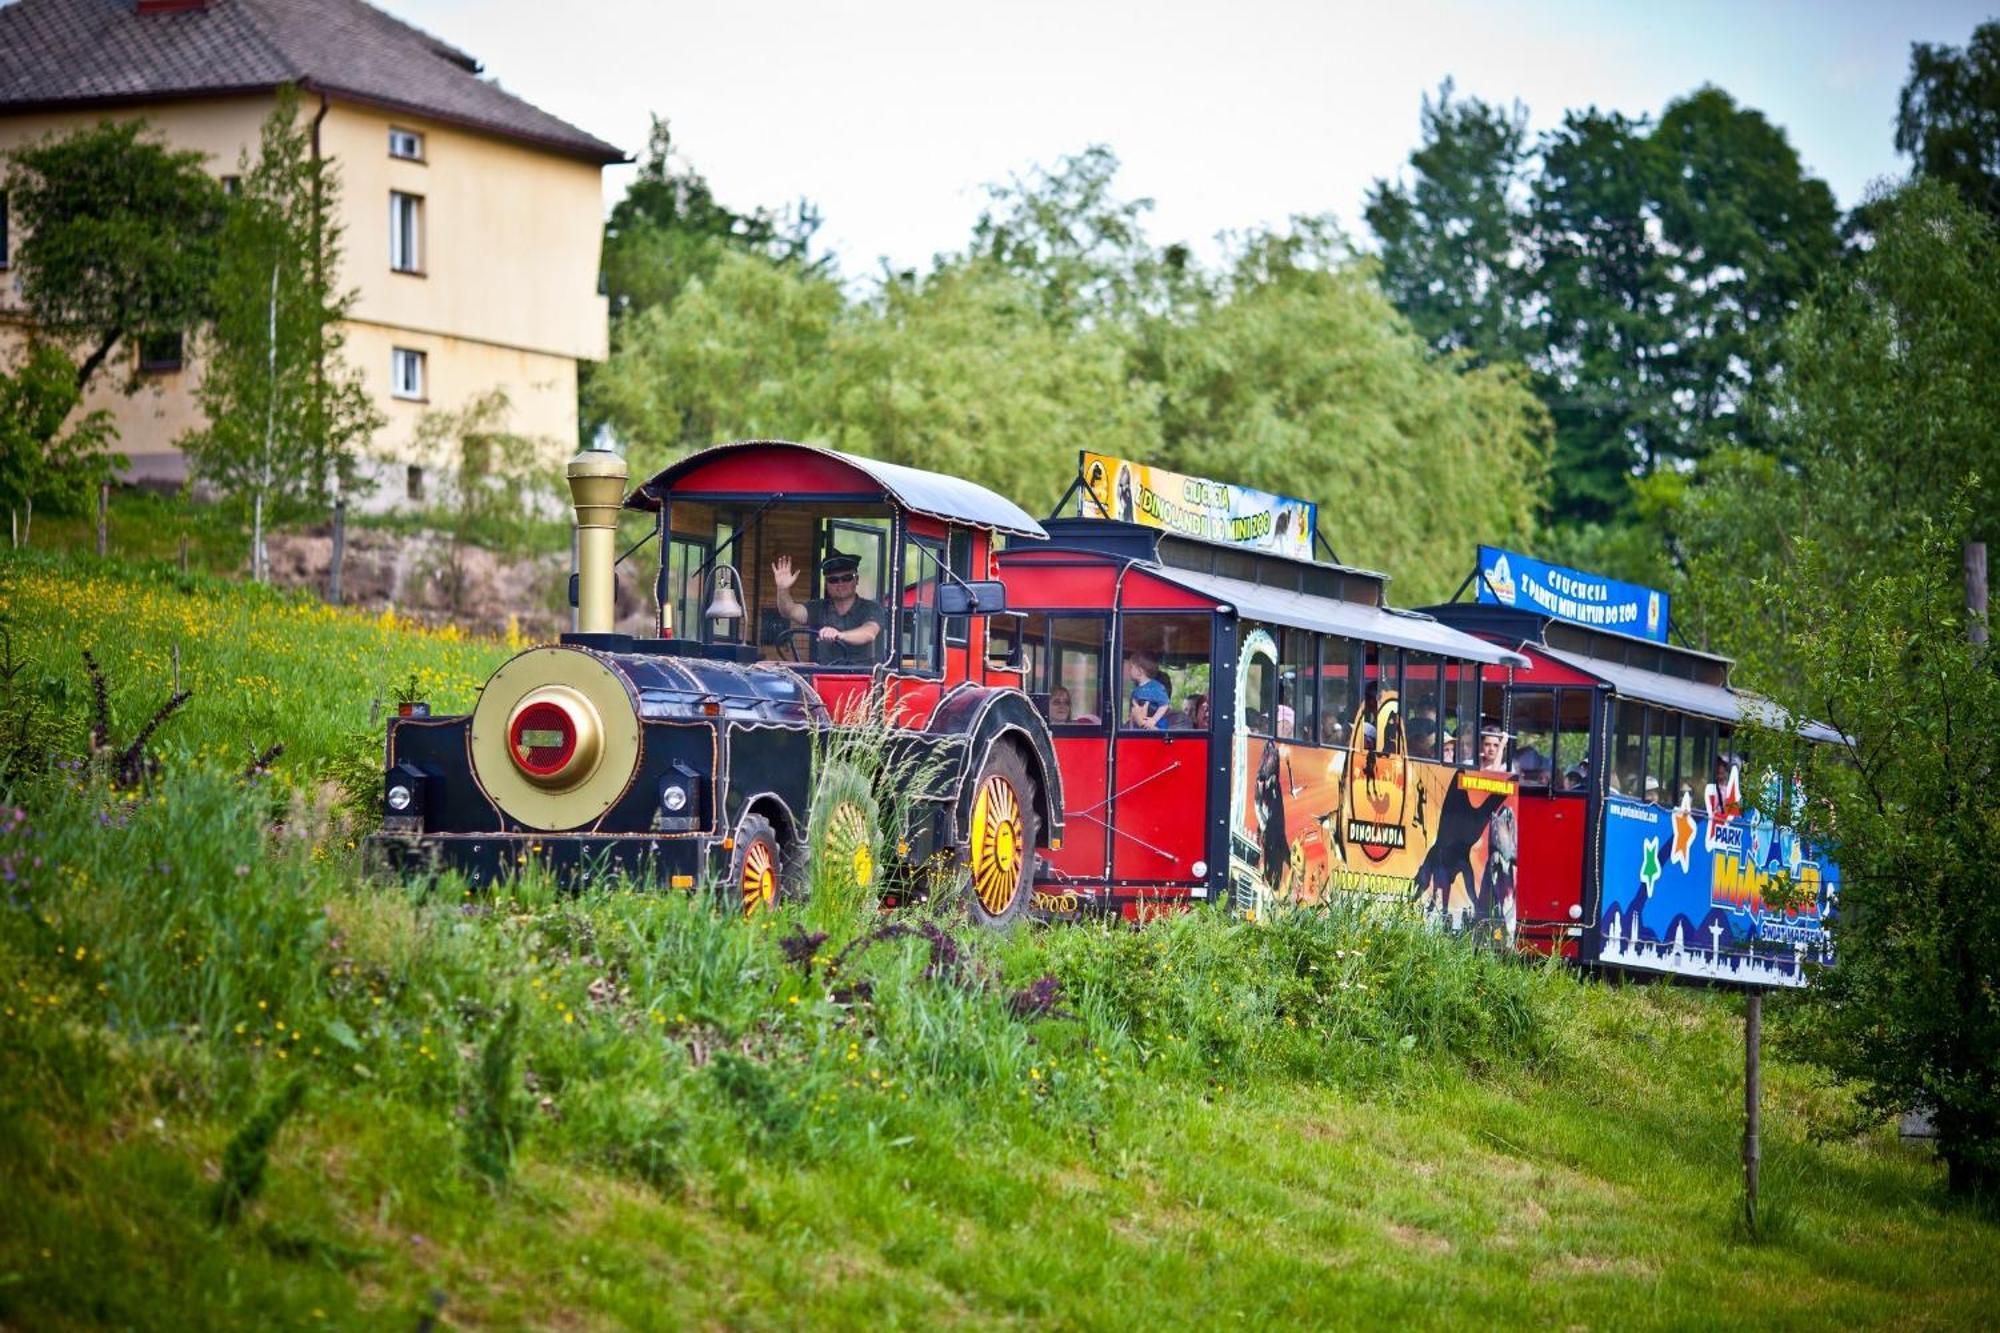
x=69, y=52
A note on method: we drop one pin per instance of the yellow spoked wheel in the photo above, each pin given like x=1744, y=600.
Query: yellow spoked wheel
x=1000, y=837
x=849, y=840
x=760, y=877
x=996, y=843
x=757, y=867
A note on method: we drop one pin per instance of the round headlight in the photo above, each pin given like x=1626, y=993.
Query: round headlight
x=674, y=798
x=400, y=797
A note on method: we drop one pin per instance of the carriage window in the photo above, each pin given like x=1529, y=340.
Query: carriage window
x=1381, y=675
x=682, y=593
x=1572, y=769
x=1007, y=645
x=1534, y=735
x=958, y=629
x=1697, y=760
x=1075, y=658
x=1421, y=699
x=1492, y=715
x=1295, y=661
x=1628, y=754
x=867, y=539
x=919, y=623
x=1336, y=689
x=1663, y=738
x=1461, y=688
x=1163, y=675
x=1258, y=690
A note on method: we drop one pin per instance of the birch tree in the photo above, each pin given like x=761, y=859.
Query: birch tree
x=286, y=414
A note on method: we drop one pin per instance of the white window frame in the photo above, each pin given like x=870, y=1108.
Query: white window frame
x=400, y=139
x=408, y=369
x=406, y=232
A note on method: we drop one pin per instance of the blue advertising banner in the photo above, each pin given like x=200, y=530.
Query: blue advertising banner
x=1508, y=578
x=1685, y=892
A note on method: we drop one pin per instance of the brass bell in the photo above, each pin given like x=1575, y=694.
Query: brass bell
x=728, y=604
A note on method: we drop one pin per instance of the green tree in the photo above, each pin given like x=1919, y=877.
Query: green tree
x=1081, y=248
x=286, y=414
x=670, y=229
x=48, y=451
x=1666, y=259
x=1451, y=239
x=1600, y=279
x=739, y=353
x=120, y=238
x=962, y=372
x=1911, y=1012
x=1883, y=412
x=1746, y=233
x=1948, y=118
x=1302, y=378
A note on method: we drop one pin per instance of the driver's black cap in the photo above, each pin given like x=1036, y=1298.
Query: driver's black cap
x=840, y=564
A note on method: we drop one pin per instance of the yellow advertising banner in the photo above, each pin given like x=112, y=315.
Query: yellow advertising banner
x=1213, y=511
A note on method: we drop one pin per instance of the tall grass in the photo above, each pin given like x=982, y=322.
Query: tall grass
x=823, y=1112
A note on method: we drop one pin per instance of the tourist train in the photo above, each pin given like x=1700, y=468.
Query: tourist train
x=1171, y=695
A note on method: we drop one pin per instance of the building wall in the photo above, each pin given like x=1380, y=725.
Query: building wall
x=507, y=298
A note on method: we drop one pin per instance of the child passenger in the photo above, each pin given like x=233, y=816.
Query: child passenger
x=1147, y=706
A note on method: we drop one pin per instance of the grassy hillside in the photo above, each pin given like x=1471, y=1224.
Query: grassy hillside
x=629, y=1108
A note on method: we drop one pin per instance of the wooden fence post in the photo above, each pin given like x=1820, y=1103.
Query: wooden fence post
x=1753, y=1081
x=339, y=550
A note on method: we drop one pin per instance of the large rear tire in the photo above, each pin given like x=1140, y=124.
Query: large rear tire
x=1000, y=834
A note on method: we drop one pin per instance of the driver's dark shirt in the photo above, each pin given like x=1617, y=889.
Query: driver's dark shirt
x=832, y=652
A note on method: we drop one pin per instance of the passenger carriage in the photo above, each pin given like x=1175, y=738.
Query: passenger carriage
x=1650, y=841
x=696, y=753
x=1311, y=739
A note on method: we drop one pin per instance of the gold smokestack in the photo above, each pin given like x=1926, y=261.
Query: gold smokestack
x=597, y=486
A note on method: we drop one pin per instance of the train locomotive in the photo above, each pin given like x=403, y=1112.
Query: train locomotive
x=697, y=757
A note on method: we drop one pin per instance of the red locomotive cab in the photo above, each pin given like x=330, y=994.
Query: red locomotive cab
x=869, y=580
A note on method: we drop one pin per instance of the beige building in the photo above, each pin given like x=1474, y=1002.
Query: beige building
x=472, y=221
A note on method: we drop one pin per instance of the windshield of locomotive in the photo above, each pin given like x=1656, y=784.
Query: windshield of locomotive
x=810, y=579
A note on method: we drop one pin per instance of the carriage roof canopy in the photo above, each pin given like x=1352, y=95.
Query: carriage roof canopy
x=1281, y=606
x=932, y=494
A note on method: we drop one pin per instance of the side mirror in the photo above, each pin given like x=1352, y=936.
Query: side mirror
x=978, y=598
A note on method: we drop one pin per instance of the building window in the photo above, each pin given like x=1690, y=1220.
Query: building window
x=413, y=482
x=232, y=185
x=406, y=144
x=406, y=373
x=160, y=352
x=406, y=232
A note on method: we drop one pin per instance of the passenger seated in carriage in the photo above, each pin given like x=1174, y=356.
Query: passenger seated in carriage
x=1151, y=698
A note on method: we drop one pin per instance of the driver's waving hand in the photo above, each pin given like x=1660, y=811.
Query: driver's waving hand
x=846, y=626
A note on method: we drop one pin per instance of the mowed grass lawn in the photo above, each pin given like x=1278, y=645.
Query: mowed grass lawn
x=633, y=1110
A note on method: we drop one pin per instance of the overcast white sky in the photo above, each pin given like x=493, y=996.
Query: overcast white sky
x=892, y=115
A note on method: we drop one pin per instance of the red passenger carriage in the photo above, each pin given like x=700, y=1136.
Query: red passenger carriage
x=1237, y=721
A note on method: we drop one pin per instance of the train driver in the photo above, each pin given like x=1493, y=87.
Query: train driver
x=847, y=627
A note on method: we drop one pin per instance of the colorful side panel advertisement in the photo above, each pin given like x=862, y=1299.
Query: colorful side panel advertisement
x=1211, y=510
x=1310, y=821
x=1508, y=578
x=1720, y=893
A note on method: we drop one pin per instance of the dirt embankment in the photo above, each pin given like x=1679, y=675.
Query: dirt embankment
x=425, y=576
